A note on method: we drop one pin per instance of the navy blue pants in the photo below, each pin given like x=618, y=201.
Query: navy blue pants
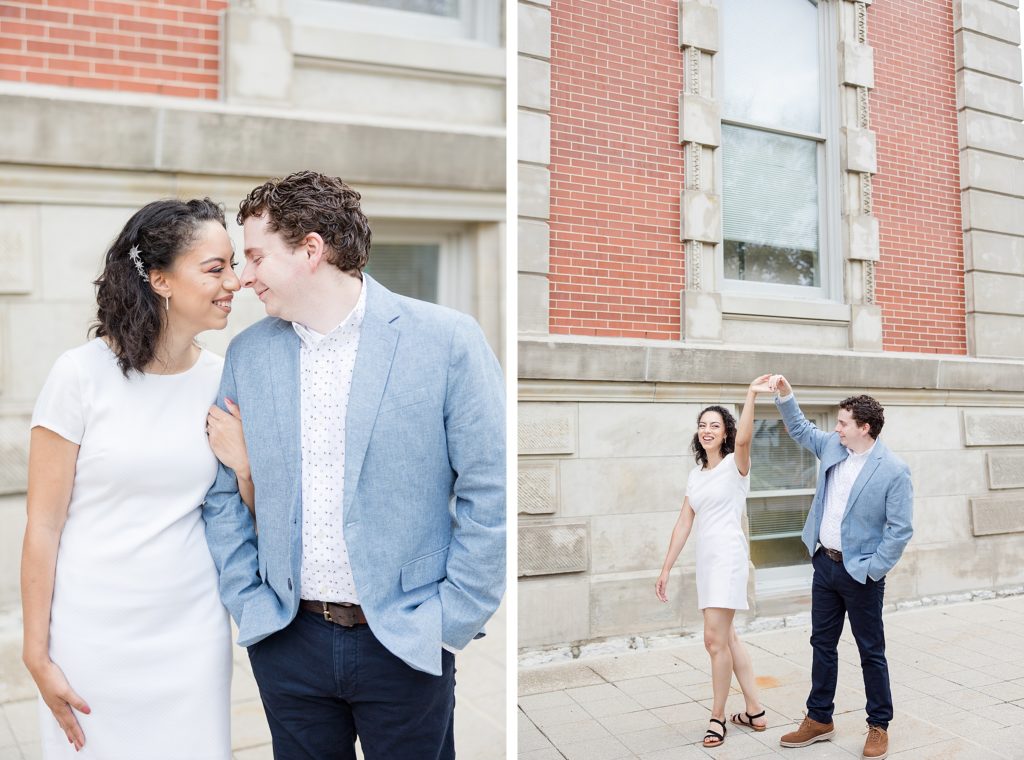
x=322, y=685
x=834, y=595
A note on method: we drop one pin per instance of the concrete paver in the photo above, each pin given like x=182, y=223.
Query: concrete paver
x=956, y=674
x=479, y=694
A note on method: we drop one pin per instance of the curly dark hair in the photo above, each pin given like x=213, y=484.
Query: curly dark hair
x=865, y=411
x=129, y=312
x=728, y=445
x=307, y=202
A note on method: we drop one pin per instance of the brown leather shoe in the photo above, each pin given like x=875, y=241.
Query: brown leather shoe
x=810, y=731
x=877, y=745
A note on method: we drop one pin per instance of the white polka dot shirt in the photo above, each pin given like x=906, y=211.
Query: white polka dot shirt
x=326, y=363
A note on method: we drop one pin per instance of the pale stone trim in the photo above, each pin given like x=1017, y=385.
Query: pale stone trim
x=700, y=223
x=534, y=157
x=990, y=107
x=647, y=361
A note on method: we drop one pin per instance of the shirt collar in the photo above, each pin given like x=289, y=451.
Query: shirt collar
x=863, y=455
x=351, y=323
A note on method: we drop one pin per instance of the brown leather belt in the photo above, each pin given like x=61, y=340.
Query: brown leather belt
x=832, y=554
x=347, y=615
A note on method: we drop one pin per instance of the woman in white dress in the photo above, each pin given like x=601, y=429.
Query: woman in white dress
x=715, y=501
x=125, y=634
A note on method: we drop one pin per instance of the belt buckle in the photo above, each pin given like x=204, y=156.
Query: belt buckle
x=345, y=606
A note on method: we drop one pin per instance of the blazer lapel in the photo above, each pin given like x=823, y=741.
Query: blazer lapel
x=377, y=341
x=865, y=475
x=283, y=374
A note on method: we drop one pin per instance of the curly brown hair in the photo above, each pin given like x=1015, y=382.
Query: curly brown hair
x=129, y=312
x=309, y=201
x=865, y=411
x=728, y=445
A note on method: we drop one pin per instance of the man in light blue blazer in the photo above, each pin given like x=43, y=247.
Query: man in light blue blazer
x=857, y=529
x=375, y=431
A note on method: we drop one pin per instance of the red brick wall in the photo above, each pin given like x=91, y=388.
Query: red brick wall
x=919, y=280
x=168, y=47
x=616, y=168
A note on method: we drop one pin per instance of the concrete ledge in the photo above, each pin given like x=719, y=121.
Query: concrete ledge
x=1001, y=514
x=231, y=142
x=648, y=361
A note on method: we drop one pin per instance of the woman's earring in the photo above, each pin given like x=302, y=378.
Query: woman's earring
x=167, y=303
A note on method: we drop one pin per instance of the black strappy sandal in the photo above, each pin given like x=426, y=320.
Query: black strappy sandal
x=749, y=722
x=719, y=738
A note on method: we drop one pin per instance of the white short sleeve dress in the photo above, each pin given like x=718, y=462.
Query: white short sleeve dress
x=718, y=497
x=137, y=625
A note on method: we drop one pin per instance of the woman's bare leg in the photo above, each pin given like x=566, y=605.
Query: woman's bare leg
x=744, y=670
x=717, y=625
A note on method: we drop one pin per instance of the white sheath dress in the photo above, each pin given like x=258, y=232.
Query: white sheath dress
x=719, y=497
x=137, y=625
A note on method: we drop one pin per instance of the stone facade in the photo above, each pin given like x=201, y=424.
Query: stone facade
x=605, y=422
x=415, y=122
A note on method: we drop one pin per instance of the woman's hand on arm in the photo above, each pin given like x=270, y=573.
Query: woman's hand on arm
x=681, y=531
x=51, y=476
x=228, y=443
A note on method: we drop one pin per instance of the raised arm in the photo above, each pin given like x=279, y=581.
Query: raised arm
x=681, y=532
x=51, y=475
x=800, y=429
x=745, y=428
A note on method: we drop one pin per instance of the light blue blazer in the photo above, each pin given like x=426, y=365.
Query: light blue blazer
x=424, y=502
x=876, y=525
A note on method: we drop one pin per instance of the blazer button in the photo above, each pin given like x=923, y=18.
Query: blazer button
x=289, y=584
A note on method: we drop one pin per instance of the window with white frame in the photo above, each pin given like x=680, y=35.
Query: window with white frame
x=409, y=269
x=469, y=20
x=783, y=477
x=778, y=203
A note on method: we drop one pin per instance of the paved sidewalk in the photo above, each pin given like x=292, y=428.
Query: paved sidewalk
x=479, y=711
x=957, y=675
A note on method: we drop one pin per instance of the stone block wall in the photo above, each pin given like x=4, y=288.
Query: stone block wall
x=603, y=443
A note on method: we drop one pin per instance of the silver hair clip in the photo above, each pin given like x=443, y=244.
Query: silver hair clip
x=136, y=256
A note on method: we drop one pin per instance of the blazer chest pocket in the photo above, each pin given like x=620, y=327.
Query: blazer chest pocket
x=403, y=400
x=429, y=568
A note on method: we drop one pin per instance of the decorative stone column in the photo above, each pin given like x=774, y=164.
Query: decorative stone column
x=700, y=132
x=859, y=159
x=988, y=94
x=258, y=60
x=534, y=157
